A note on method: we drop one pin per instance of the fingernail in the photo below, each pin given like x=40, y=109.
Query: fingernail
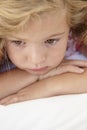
x=81, y=70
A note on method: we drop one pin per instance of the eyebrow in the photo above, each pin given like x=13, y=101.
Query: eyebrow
x=18, y=38
x=53, y=35
x=57, y=34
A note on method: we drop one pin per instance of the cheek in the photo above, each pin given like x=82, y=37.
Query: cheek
x=14, y=55
x=57, y=57
x=14, y=58
x=58, y=54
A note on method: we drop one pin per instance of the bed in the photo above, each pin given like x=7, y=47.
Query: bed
x=66, y=112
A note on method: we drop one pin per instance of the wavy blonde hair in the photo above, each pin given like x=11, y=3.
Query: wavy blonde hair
x=77, y=13
x=15, y=14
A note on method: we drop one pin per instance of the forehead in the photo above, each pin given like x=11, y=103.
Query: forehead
x=45, y=22
x=23, y=23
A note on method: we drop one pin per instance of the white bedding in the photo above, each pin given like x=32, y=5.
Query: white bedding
x=56, y=113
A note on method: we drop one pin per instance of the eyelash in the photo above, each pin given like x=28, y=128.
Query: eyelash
x=49, y=42
x=52, y=41
x=18, y=43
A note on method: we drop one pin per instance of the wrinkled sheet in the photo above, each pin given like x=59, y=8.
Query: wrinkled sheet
x=67, y=112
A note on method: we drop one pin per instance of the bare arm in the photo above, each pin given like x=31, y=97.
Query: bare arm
x=13, y=81
x=68, y=83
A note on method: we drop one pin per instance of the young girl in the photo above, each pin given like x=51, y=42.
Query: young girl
x=34, y=37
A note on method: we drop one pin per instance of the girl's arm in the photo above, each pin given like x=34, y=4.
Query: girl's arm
x=68, y=83
x=14, y=80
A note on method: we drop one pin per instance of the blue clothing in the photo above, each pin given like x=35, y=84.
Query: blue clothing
x=6, y=65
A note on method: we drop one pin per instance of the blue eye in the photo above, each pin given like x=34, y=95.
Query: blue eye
x=52, y=41
x=18, y=43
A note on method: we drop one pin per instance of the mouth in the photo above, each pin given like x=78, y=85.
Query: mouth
x=38, y=69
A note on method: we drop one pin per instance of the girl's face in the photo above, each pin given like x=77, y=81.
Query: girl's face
x=41, y=47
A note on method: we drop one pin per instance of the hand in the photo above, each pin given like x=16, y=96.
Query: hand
x=33, y=91
x=15, y=98
x=74, y=66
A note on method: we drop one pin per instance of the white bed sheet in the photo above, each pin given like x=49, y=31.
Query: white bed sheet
x=57, y=113
x=67, y=112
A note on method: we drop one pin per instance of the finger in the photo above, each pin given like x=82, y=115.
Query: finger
x=9, y=100
x=75, y=62
x=5, y=100
x=14, y=99
x=69, y=68
x=75, y=69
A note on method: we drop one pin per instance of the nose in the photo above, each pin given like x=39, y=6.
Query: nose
x=36, y=56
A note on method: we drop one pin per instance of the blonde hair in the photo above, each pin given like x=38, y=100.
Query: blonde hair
x=77, y=13
x=15, y=14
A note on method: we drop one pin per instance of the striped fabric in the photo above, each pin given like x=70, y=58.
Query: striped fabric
x=6, y=66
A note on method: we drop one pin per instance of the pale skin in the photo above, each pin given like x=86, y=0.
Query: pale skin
x=38, y=52
x=53, y=86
